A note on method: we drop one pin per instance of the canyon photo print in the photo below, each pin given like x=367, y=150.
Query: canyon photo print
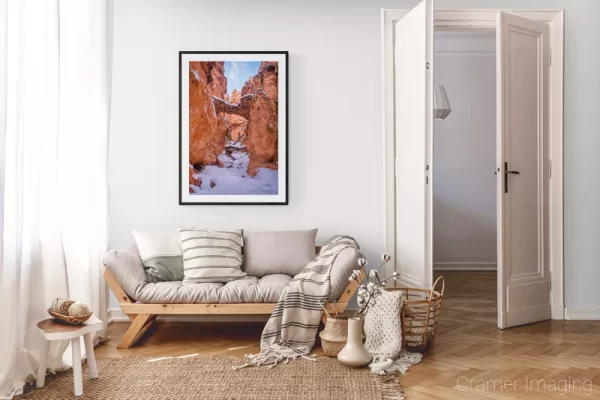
x=233, y=128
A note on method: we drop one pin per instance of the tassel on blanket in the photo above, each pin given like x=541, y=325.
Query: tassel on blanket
x=276, y=354
x=392, y=389
x=385, y=365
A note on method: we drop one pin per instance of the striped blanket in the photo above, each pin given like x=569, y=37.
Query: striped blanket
x=290, y=331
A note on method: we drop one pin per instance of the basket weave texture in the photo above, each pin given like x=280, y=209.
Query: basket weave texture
x=334, y=336
x=69, y=319
x=420, y=314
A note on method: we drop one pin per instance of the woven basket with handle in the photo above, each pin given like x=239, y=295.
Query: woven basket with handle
x=335, y=335
x=420, y=314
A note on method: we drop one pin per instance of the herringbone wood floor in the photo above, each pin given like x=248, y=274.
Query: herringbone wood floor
x=471, y=358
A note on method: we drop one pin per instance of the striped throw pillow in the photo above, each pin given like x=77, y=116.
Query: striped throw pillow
x=211, y=256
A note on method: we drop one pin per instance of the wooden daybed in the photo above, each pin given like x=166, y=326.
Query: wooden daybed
x=143, y=315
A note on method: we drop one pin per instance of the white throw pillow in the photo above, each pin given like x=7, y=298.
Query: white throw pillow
x=211, y=256
x=161, y=254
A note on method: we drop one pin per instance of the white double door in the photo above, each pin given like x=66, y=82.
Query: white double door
x=522, y=160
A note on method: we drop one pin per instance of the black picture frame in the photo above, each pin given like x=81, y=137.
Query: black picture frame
x=281, y=108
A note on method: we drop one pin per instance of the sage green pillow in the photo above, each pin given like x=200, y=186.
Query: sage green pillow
x=161, y=254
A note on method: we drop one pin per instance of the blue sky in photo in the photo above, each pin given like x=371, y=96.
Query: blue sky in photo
x=238, y=72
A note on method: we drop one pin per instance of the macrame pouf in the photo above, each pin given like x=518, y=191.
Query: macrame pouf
x=383, y=328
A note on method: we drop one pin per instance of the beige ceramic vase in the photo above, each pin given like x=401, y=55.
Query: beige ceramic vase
x=354, y=354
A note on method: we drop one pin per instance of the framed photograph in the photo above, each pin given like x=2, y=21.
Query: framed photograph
x=233, y=127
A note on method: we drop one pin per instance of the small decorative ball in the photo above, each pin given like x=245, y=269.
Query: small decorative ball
x=62, y=304
x=78, y=308
x=58, y=302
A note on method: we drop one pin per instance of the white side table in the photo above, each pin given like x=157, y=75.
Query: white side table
x=54, y=330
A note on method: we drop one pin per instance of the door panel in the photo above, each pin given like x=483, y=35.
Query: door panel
x=413, y=56
x=523, y=127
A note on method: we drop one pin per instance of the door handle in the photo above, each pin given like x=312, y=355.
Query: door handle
x=506, y=172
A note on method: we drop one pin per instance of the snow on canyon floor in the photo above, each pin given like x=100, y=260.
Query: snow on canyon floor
x=233, y=177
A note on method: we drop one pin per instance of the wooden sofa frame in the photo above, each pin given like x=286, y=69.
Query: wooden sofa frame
x=142, y=315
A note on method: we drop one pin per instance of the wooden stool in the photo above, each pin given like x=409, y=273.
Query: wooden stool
x=54, y=330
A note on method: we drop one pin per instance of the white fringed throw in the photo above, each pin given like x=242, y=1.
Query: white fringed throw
x=383, y=329
x=290, y=331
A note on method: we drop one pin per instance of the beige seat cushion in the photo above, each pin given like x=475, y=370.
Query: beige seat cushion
x=245, y=290
x=127, y=267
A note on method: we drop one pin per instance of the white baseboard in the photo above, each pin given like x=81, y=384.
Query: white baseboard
x=582, y=313
x=117, y=315
x=464, y=266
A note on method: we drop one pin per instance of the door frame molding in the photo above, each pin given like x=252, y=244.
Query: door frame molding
x=485, y=19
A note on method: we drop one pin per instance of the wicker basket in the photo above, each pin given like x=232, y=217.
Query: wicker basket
x=335, y=335
x=69, y=319
x=420, y=315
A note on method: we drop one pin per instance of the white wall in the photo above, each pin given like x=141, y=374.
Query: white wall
x=335, y=139
x=464, y=184
x=336, y=176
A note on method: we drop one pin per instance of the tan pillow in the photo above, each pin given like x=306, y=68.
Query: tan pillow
x=267, y=253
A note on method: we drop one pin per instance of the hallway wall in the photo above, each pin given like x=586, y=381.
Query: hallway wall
x=464, y=192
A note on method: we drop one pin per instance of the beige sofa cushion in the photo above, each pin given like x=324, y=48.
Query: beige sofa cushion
x=285, y=252
x=127, y=267
x=344, y=264
x=245, y=290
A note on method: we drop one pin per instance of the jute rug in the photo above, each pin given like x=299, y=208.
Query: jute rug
x=214, y=379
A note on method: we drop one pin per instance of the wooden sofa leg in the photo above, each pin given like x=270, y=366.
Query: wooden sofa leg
x=324, y=318
x=140, y=324
x=346, y=296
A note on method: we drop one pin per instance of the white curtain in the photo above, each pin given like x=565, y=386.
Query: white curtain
x=55, y=60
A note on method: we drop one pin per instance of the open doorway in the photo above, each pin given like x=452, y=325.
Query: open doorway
x=464, y=156
x=528, y=162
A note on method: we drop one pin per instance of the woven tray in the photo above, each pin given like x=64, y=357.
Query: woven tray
x=70, y=319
